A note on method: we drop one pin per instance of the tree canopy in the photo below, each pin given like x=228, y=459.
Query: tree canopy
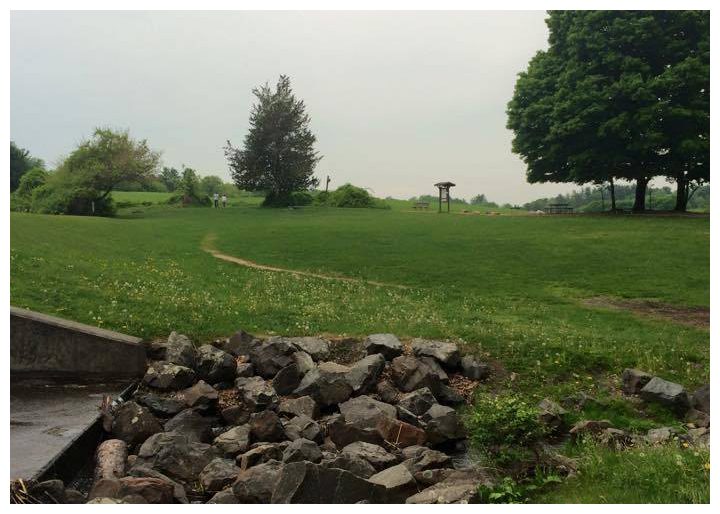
x=21, y=162
x=618, y=94
x=278, y=155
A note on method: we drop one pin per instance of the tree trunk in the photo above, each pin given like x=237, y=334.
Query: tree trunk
x=612, y=194
x=681, y=198
x=640, y=192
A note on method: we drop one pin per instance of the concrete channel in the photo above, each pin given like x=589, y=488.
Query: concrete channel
x=60, y=371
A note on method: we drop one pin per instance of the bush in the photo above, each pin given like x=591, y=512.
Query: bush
x=58, y=197
x=300, y=198
x=21, y=199
x=350, y=196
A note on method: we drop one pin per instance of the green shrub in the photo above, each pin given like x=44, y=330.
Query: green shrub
x=322, y=198
x=58, y=197
x=300, y=198
x=350, y=196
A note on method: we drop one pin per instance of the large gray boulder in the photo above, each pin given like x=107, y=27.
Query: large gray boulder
x=442, y=424
x=234, y=441
x=180, y=350
x=410, y=373
x=256, y=394
x=316, y=347
x=287, y=379
x=260, y=453
x=214, y=365
x=167, y=376
x=364, y=411
x=303, y=406
x=386, y=344
x=144, y=471
x=352, y=463
x=256, y=484
x=271, y=356
x=303, y=361
x=303, y=427
x=343, y=433
x=240, y=343
x=445, y=353
x=191, y=424
x=474, y=369
x=398, y=481
x=134, y=423
x=427, y=459
x=202, y=395
x=327, y=384
x=364, y=374
x=266, y=426
x=224, y=496
x=218, y=474
x=161, y=405
x=417, y=402
x=175, y=456
x=302, y=449
x=377, y=456
x=306, y=482
x=667, y=393
x=459, y=487
x=633, y=380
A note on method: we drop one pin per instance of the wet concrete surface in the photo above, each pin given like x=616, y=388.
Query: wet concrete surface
x=46, y=418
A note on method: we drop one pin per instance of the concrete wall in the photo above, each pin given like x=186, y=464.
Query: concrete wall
x=48, y=348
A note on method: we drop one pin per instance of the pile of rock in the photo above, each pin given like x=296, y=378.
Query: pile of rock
x=257, y=421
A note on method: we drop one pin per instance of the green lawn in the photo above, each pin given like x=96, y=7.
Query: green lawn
x=510, y=286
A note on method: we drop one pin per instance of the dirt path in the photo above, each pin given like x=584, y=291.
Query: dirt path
x=698, y=317
x=209, y=246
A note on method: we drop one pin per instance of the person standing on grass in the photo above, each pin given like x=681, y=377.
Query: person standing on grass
x=224, y=200
x=215, y=200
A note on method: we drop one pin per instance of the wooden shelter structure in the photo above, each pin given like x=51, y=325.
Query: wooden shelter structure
x=444, y=194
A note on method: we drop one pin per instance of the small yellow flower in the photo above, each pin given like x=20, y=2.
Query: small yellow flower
x=707, y=466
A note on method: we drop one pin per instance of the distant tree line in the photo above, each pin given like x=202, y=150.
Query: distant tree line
x=618, y=95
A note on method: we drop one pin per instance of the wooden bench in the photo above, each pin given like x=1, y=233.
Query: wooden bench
x=421, y=205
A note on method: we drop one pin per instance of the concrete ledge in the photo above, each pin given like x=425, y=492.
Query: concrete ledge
x=54, y=349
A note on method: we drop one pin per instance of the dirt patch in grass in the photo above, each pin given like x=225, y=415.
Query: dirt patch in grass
x=698, y=317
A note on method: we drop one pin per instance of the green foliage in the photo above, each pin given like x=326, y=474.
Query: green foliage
x=21, y=162
x=511, y=491
x=170, y=177
x=211, y=184
x=278, y=154
x=300, y=198
x=350, y=196
x=189, y=190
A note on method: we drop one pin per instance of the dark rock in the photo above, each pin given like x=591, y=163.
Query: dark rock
x=417, y=402
x=240, y=343
x=302, y=449
x=260, y=453
x=428, y=459
x=447, y=395
x=327, y=384
x=175, y=456
x=266, y=426
x=445, y=353
x=156, y=350
x=73, y=496
x=103, y=488
x=305, y=482
x=459, y=487
x=666, y=393
x=256, y=394
x=387, y=392
x=178, y=489
x=134, y=423
x=236, y=415
x=343, y=433
x=160, y=405
x=589, y=427
x=551, y=413
x=49, y=491
x=224, y=496
x=303, y=406
x=287, y=379
x=377, y=456
x=399, y=433
x=615, y=438
x=698, y=418
x=442, y=424
x=256, y=484
x=316, y=347
x=191, y=424
x=218, y=474
x=244, y=370
x=430, y=477
x=364, y=411
x=201, y=395
x=701, y=399
x=410, y=373
x=151, y=490
x=234, y=441
x=410, y=452
x=408, y=417
x=214, y=365
x=386, y=344
x=398, y=482
x=302, y=427
x=364, y=374
x=352, y=463
x=633, y=380
x=167, y=376
x=271, y=356
x=474, y=369
x=180, y=350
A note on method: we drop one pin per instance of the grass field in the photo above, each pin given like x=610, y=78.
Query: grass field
x=511, y=287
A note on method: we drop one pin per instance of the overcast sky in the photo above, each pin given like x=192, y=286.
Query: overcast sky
x=398, y=100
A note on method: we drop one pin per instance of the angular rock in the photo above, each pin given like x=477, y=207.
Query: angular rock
x=615, y=438
x=432, y=476
x=104, y=501
x=410, y=373
x=256, y=484
x=387, y=392
x=175, y=456
x=234, y=441
x=266, y=426
x=156, y=350
x=442, y=424
x=214, y=365
x=551, y=413
x=352, y=463
x=48, y=491
x=377, y=456
x=327, y=384
x=701, y=399
x=660, y=435
x=589, y=427
x=134, y=423
x=698, y=418
x=178, y=490
x=666, y=393
x=302, y=427
x=167, y=376
x=260, y=453
x=160, y=405
x=316, y=347
x=386, y=344
x=192, y=425
x=408, y=417
x=447, y=395
x=633, y=380
x=244, y=370
x=303, y=361
x=410, y=452
x=418, y=402
x=474, y=369
x=305, y=482
x=151, y=490
x=287, y=379
x=445, y=353
x=364, y=374
x=224, y=496
x=399, y=433
x=428, y=459
x=398, y=482
x=343, y=433
x=180, y=350
x=459, y=487
x=364, y=411
x=201, y=395
x=240, y=343
x=302, y=449
x=256, y=394
x=236, y=414
x=303, y=406
x=218, y=474
x=271, y=356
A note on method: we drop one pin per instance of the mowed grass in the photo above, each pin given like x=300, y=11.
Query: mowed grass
x=510, y=287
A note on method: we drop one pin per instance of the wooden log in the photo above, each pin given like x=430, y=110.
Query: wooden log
x=110, y=459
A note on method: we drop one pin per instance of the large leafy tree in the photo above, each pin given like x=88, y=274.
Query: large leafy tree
x=21, y=162
x=599, y=104
x=278, y=155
